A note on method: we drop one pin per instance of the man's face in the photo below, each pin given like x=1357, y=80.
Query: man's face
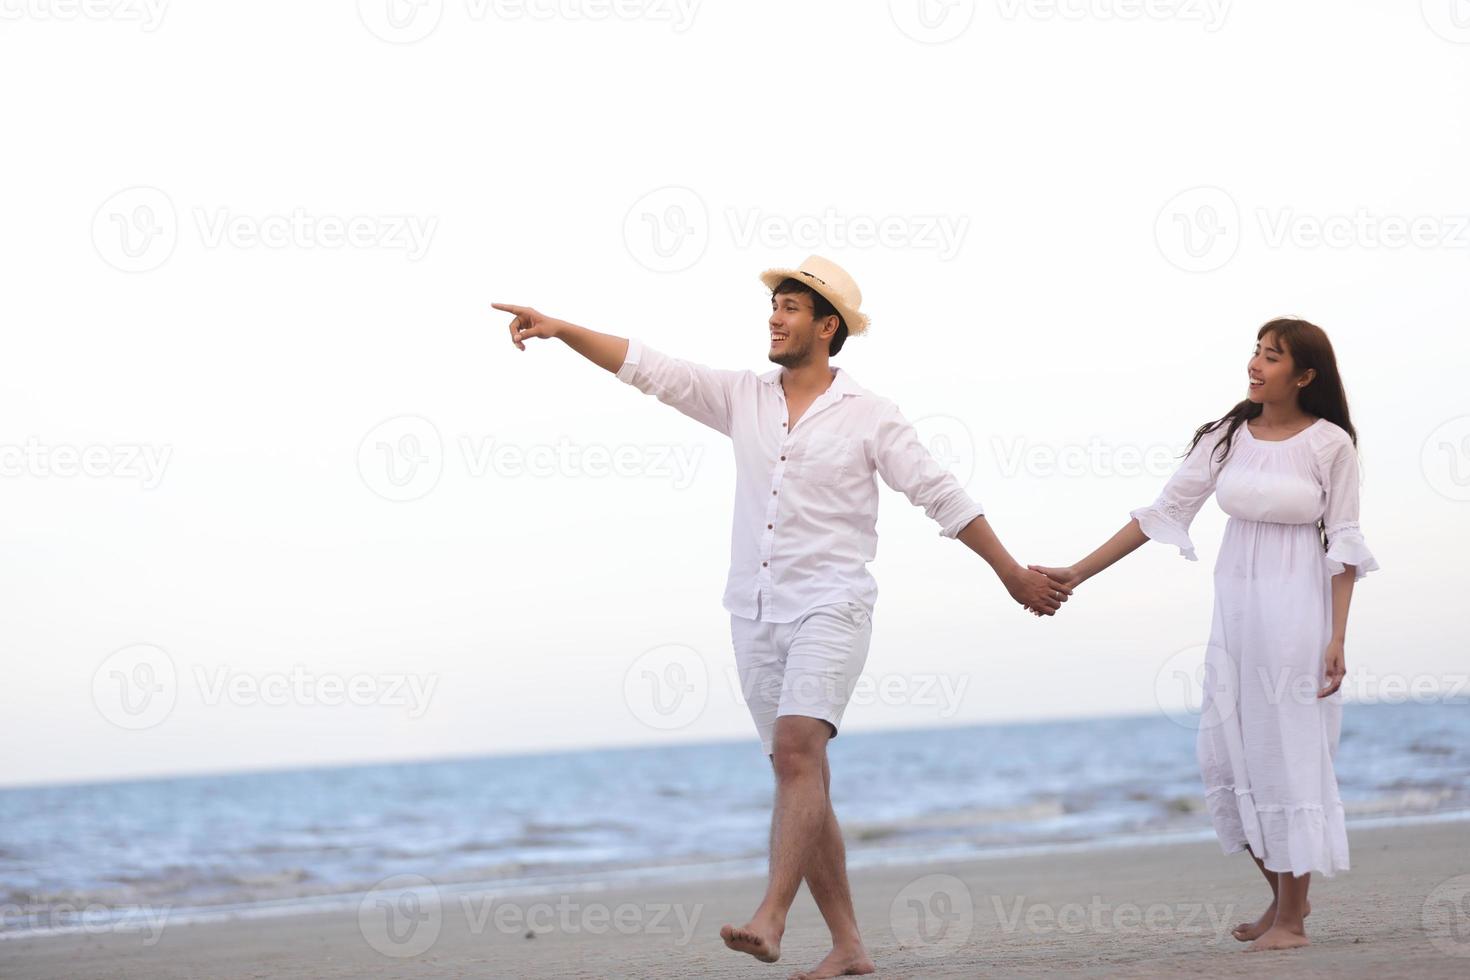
x=793, y=333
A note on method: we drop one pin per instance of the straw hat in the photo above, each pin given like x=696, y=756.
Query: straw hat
x=833, y=282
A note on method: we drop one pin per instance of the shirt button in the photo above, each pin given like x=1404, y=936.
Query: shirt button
x=783, y=459
x=769, y=526
x=773, y=493
x=764, y=564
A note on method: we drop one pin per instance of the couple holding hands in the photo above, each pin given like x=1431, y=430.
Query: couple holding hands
x=808, y=440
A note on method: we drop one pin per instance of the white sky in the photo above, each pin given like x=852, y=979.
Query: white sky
x=1033, y=286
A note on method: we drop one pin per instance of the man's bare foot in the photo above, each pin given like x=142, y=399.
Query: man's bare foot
x=759, y=939
x=1278, y=937
x=839, y=963
x=1248, y=931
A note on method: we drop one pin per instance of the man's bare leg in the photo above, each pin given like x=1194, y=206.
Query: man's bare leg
x=826, y=878
x=797, y=822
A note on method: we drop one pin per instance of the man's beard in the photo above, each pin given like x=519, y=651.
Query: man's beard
x=788, y=356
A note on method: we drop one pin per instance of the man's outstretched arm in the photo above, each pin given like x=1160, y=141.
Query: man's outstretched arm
x=602, y=349
x=702, y=393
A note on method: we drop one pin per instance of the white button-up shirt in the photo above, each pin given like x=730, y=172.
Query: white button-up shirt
x=806, y=503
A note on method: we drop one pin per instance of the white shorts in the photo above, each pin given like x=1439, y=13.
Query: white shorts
x=809, y=666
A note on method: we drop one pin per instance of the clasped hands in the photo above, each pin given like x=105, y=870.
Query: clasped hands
x=1041, y=590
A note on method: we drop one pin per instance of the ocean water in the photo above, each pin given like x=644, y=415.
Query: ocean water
x=257, y=842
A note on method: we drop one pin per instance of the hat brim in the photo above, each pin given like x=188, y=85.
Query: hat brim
x=857, y=323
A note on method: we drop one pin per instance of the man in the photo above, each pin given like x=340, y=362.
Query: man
x=808, y=440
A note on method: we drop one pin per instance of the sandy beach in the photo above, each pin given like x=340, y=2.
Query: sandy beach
x=1151, y=910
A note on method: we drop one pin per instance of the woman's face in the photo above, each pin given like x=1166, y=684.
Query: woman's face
x=1272, y=375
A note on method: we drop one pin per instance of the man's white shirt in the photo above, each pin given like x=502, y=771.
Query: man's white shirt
x=806, y=503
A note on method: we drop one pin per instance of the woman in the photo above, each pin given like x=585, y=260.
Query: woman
x=1283, y=464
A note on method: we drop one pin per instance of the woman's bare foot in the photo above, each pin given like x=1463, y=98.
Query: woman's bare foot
x=1279, y=937
x=841, y=962
x=1248, y=931
x=760, y=939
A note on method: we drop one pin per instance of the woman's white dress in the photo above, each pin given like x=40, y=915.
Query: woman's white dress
x=1266, y=742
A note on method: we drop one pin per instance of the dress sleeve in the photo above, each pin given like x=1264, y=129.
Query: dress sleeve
x=1167, y=519
x=1345, y=545
x=705, y=394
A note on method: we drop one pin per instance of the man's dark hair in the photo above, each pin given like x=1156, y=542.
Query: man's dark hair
x=821, y=309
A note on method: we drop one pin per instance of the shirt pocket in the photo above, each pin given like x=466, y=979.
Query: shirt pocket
x=827, y=459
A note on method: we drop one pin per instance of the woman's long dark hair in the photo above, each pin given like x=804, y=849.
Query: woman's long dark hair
x=1323, y=397
x=1309, y=347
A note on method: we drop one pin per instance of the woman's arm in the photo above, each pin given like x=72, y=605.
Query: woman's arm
x=1130, y=538
x=1334, y=660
